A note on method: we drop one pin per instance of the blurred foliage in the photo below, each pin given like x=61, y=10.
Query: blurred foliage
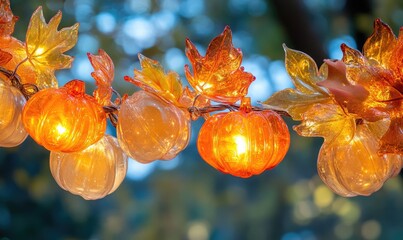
x=186, y=198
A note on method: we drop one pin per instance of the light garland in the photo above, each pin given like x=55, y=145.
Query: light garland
x=355, y=104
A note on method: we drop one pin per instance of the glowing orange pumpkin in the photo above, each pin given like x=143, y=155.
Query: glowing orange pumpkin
x=64, y=119
x=92, y=173
x=244, y=143
x=12, y=132
x=150, y=128
x=356, y=168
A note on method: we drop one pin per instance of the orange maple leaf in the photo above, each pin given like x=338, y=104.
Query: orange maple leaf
x=219, y=75
x=5, y=57
x=352, y=97
x=378, y=76
x=103, y=75
x=7, y=19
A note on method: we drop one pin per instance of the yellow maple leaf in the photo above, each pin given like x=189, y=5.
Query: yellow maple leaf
x=328, y=121
x=305, y=76
x=153, y=79
x=45, y=46
x=103, y=75
x=219, y=75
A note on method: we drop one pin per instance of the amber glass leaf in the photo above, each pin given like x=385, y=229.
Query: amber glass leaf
x=396, y=63
x=103, y=75
x=378, y=128
x=16, y=48
x=7, y=19
x=5, y=57
x=327, y=121
x=12, y=50
x=381, y=83
x=353, y=97
x=377, y=80
x=304, y=74
x=379, y=71
x=392, y=141
x=153, y=79
x=45, y=46
x=379, y=46
x=219, y=74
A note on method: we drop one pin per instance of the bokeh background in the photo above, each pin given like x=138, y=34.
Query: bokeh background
x=185, y=198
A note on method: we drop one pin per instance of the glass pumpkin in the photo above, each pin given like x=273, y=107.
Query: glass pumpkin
x=356, y=168
x=64, y=119
x=93, y=172
x=11, y=104
x=244, y=143
x=150, y=128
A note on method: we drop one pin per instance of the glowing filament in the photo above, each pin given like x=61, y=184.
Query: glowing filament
x=240, y=142
x=60, y=129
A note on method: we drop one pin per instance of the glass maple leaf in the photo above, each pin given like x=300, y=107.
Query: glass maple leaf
x=167, y=85
x=45, y=46
x=104, y=72
x=370, y=85
x=12, y=50
x=153, y=78
x=305, y=75
x=42, y=54
x=218, y=75
x=7, y=19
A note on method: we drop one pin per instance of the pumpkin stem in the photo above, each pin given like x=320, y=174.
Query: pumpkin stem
x=245, y=105
x=75, y=87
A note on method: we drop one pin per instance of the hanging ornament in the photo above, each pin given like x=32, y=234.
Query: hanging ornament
x=11, y=104
x=93, y=172
x=244, y=143
x=355, y=168
x=150, y=128
x=64, y=119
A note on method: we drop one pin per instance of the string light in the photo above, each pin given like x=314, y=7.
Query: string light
x=358, y=114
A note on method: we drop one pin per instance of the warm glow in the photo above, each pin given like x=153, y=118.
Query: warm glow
x=241, y=145
x=354, y=103
x=39, y=51
x=61, y=125
x=60, y=129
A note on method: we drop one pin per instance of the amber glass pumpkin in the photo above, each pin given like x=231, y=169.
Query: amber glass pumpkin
x=356, y=168
x=93, y=172
x=244, y=143
x=12, y=132
x=150, y=128
x=64, y=119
